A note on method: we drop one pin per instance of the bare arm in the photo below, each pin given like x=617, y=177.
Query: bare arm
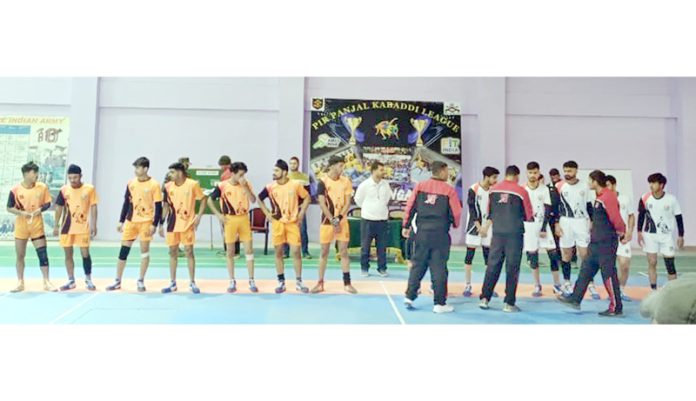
x=93, y=220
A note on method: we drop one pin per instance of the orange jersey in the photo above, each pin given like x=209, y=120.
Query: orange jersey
x=141, y=197
x=337, y=193
x=233, y=198
x=77, y=202
x=285, y=199
x=182, y=204
x=29, y=199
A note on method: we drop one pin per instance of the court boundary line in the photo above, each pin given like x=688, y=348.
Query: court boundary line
x=391, y=302
x=73, y=308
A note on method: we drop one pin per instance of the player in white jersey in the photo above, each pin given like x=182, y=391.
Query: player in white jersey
x=623, y=252
x=574, y=226
x=658, y=212
x=537, y=234
x=478, y=231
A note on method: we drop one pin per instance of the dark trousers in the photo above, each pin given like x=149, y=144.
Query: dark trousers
x=600, y=256
x=431, y=251
x=303, y=237
x=370, y=230
x=504, y=248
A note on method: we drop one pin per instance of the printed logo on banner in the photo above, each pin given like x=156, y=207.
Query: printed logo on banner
x=450, y=146
x=317, y=104
x=326, y=141
x=452, y=109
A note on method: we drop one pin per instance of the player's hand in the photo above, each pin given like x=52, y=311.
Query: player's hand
x=628, y=237
x=625, y=239
x=641, y=242
x=559, y=231
x=55, y=231
x=161, y=231
x=405, y=232
x=680, y=242
x=483, y=232
x=542, y=234
x=119, y=227
x=93, y=232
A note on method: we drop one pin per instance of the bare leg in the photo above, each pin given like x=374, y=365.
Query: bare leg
x=145, y=262
x=69, y=262
x=249, y=251
x=173, y=261
x=21, y=252
x=652, y=269
x=191, y=261
x=230, y=260
x=121, y=265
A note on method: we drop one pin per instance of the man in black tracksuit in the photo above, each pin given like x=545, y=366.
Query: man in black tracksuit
x=510, y=207
x=435, y=206
x=607, y=228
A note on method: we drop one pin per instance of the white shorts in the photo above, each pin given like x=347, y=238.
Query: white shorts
x=624, y=250
x=472, y=241
x=576, y=232
x=663, y=244
x=532, y=237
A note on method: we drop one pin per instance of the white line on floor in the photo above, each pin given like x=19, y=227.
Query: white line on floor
x=73, y=309
x=391, y=301
x=643, y=274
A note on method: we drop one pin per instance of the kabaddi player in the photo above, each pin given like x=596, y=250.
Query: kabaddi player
x=334, y=195
x=76, y=223
x=478, y=232
x=235, y=197
x=658, y=212
x=537, y=234
x=296, y=175
x=141, y=214
x=623, y=252
x=180, y=196
x=285, y=216
x=607, y=229
x=27, y=200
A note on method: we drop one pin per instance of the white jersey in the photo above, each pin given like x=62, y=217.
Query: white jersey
x=659, y=213
x=574, y=199
x=626, y=207
x=539, y=198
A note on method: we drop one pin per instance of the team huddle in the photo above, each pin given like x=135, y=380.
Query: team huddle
x=566, y=218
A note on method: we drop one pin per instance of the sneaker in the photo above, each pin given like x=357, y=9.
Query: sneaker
x=194, y=288
x=19, y=287
x=467, y=291
x=567, y=289
x=115, y=286
x=252, y=286
x=557, y=289
x=611, y=313
x=537, y=291
x=567, y=301
x=625, y=297
x=232, y=288
x=364, y=273
x=383, y=273
x=307, y=256
x=70, y=285
x=49, y=287
x=593, y=292
x=350, y=289
x=141, y=286
x=170, y=288
x=318, y=288
x=409, y=304
x=90, y=285
x=511, y=308
x=300, y=287
x=280, y=288
x=484, y=304
x=443, y=308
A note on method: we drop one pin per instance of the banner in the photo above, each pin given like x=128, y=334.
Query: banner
x=41, y=139
x=406, y=136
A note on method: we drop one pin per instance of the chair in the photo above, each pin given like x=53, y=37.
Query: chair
x=397, y=214
x=259, y=224
x=354, y=212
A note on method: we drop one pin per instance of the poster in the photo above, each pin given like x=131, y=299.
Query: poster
x=41, y=139
x=406, y=136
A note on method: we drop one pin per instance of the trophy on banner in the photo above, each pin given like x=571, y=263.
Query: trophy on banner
x=353, y=123
x=420, y=125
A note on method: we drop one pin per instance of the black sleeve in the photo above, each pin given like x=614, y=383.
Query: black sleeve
x=45, y=206
x=263, y=194
x=215, y=195
x=126, y=205
x=321, y=188
x=680, y=224
x=547, y=217
x=60, y=201
x=590, y=210
x=471, y=202
x=490, y=209
x=158, y=214
x=11, y=202
x=641, y=215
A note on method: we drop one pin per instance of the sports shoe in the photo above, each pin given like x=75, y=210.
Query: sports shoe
x=537, y=291
x=318, y=288
x=90, y=285
x=409, y=304
x=49, y=287
x=232, y=288
x=70, y=285
x=593, y=292
x=383, y=273
x=557, y=289
x=467, y=291
x=364, y=273
x=194, y=288
x=280, y=288
x=625, y=297
x=567, y=301
x=484, y=304
x=443, y=308
x=19, y=287
x=511, y=308
x=350, y=289
x=610, y=313
x=141, y=286
x=300, y=287
x=307, y=256
x=170, y=288
x=115, y=286
x=567, y=289
x=252, y=286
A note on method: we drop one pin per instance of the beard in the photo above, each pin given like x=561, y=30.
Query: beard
x=569, y=177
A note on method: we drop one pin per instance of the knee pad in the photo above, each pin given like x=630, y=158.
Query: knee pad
x=485, y=250
x=533, y=260
x=554, y=259
x=87, y=264
x=470, y=252
x=43, y=256
x=123, y=253
x=145, y=255
x=250, y=257
x=669, y=264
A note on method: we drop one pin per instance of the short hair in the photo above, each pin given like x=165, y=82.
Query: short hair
x=178, y=166
x=541, y=176
x=532, y=165
x=74, y=169
x=335, y=159
x=554, y=171
x=281, y=164
x=570, y=164
x=184, y=159
x=30, y=166
x=224, y=160
x=489, y=171
x=436, y=167
x=612, y=179
x=599, y=176
x=657, y=177
x=512, y=171
x=295, y=159
x=142, y=162
x=236, y=166
x=375, y=165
